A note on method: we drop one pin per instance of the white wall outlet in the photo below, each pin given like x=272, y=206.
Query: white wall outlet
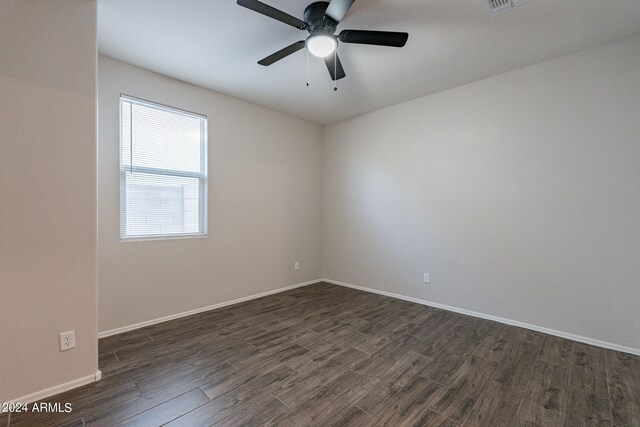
x=296, y=265
x=427, y=278
x=67, y=340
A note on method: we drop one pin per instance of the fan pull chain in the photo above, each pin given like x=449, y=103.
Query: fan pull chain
x=307, y=51
x=335, y=70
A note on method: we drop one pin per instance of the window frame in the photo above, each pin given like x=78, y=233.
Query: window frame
x=202, y=176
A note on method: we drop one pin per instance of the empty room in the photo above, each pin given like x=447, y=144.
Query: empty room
x=319, y=213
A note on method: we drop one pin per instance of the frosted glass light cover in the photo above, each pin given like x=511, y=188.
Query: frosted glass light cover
x=322, y=46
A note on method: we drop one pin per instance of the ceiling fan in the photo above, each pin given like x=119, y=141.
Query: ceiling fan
x=321, y=19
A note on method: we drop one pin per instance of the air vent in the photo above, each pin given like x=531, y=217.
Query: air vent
x=498, y=6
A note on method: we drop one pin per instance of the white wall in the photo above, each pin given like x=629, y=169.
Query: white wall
x=47, y=193
x=264, y=206
x=520, y=194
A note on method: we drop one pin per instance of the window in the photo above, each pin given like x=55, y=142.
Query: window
x=163, y=171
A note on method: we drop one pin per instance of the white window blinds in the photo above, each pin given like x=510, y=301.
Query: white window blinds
x=163, y=171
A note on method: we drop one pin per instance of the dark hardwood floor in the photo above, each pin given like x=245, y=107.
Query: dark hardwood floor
x=327, y=355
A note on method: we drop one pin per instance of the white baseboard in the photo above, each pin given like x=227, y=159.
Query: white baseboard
x=116, y=331
x=52, y=391
x=61, y=388
x=567, y=335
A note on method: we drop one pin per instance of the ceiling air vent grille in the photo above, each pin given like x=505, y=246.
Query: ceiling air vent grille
x=498, y=6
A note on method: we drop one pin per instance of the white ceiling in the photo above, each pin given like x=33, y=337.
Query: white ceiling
x=216, y=44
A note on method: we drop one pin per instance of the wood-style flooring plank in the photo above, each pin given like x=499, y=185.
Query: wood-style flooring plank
x=496, y=407
x=586, y=409
x=435, y=342
x=459, y=396
x=347, y=416
x=83, y=404
x=624, y=389
x=517, y=365
x=151, y=396
x=545, y=396
x=333, y=356
x=339, y=394
x=618, y=359
x=392, y=380
x=445, y=365
x=493, y=348
x=588, y=369
x=407, y=406
x=432, y=419
x=169, y=410
x=556, y=350
x=255, y=411
x=285, y=354
x=302, y=385
x=240, y=400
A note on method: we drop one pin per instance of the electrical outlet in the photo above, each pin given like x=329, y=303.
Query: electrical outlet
x=427, y=278
x=296, y=265
x=67, y=340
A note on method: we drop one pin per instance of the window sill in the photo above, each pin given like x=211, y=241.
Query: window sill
x=153, y=238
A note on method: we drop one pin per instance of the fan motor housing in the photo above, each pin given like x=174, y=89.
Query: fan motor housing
x=317, y=21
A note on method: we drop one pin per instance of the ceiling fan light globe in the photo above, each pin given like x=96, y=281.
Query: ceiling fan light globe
x=322, y=45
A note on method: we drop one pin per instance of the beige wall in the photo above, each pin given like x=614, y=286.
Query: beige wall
x=47, y=192
x=264, y=206
x=520, y=194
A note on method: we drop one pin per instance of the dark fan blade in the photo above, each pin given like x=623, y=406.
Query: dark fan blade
x=292, y=48
x=337, y=9
x=334, y=68
x=272, y=12
x=378, y=38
